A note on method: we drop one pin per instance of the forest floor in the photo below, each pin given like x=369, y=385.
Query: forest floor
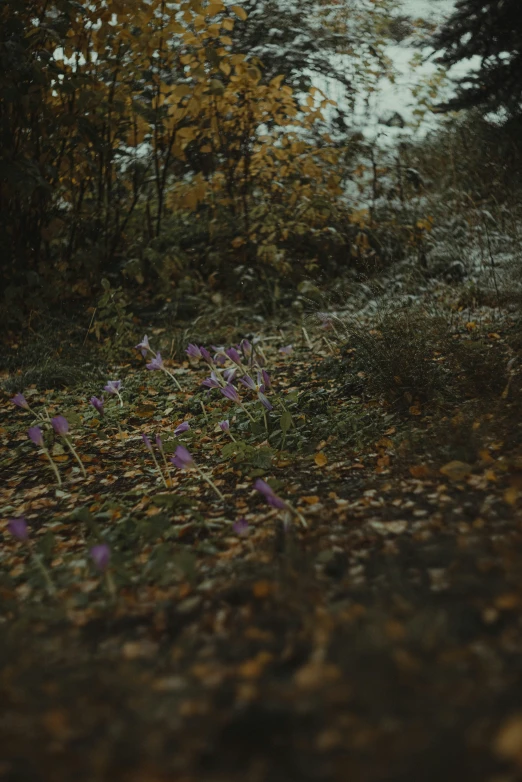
x=380, y=642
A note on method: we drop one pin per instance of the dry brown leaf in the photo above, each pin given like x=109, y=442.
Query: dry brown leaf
x=419, y=471
x=456, y=470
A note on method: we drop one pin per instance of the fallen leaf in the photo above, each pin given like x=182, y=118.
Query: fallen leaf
x=419, y=471
x=262, y=588
x=321, y=459
x=252, y=669
x=508, y=741
x=134, y=650
x=456, y=470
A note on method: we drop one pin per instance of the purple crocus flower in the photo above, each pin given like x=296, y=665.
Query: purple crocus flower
x=263, y=378
x=113, y=386
x=264, y=401
x=182, y=458
x=143, y=346
x=211, y=382
x=20, y=401
x=146, y=440
x=220, y=359
x=286, y=350
x=34, y=433
x=184, y=427
x=224, y=426
x=97, y=403
x=101, y=556
x=230, y=392
x=229, y=374
x=205, y=355
x=156, y=363
x=18, y=528
x=193, y=351
x=247, y=381
x=241, y=527
x=269, y=495
x=246, y=348
x=60, y=425
x=233, y=355
x=159, y=444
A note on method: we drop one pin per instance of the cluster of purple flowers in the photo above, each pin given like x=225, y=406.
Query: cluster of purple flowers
x=244, y=358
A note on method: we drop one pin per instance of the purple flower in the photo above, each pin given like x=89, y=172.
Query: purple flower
x=18, y=528
x=241, y=527
x=286, y=350
x=60, y=425
x=156, y=363
x=113, y=386
x=263, y=378
x=182, y=458
x=184, y=427
x=212, y=381
x=233, y=355
x=264, y=401
x=159, y=444
x=20, y=401
x=101, y=556
x=269, y=495
x=193, y=351
x=34, y=433
x=146, y=440
x=97, y=404
x=246, y=348
x=248, y=382
x=220, y=359
x=230, y=392
x=143, y=346
x=206, y=356
x=229, y=374
x=224, y=426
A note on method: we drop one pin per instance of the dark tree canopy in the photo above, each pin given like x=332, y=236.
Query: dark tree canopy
x=491, y=30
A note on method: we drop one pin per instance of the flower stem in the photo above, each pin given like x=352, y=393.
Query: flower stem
x=173, y=378
x=119, y=397
x=109, y=582
x=53, y=466
x=297, y=513
x=167, y=470
x=246, y=411
x=51, y=589
x=211, y=483
x=73, y=451
x=204, y=411
x=159, y=470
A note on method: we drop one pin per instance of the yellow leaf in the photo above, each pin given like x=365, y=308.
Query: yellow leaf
x=320, y=459
x=511, y=495
x=225, y=68
x=508, y=741
x=456, y=470
x=214, y=8
x=240, y=12
x=311, y=499
x=415, y=410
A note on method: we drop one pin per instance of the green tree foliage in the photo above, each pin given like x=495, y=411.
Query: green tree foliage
x=492, y=31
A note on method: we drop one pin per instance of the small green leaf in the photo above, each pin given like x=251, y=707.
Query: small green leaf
x=285, y=422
